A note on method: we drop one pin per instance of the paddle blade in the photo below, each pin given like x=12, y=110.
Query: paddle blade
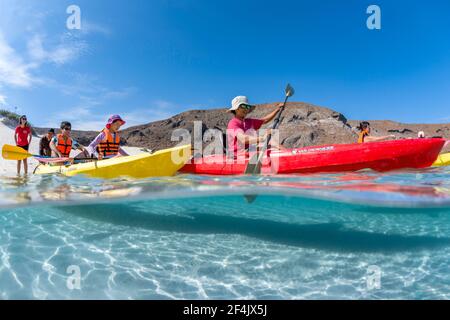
x=289, y=91
x=250, y=198
x=14, y=153
x=254, y=165
x=253, y=168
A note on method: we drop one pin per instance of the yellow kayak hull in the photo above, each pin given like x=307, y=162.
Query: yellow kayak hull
x=162, y=163
x=442, y=160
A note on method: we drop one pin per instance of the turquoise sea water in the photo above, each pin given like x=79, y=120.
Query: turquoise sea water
x=362, y=235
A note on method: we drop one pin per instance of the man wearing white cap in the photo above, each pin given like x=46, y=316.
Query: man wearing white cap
x=241, y=130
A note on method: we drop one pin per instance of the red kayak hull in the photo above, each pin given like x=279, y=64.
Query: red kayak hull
x=378, y=156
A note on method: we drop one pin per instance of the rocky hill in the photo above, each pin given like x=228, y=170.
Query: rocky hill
x=83, y=137
x=386, y=127
x=302, y=124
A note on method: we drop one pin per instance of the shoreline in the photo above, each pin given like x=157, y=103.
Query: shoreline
x=8, y=168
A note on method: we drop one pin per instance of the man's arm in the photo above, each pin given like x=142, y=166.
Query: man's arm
x=272, y=115
x=77, y=146
x=92, y=148
x=84, y=151
x=54, y=148
x=374, y=139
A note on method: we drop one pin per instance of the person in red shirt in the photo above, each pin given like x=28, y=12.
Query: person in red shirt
x=23, y=137
x=241, y=131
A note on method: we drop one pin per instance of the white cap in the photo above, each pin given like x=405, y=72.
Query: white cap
x=238, y=101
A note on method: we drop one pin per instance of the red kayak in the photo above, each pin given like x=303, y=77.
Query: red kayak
x=378, y=156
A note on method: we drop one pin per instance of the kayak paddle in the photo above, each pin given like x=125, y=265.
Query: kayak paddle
x=255, y=162
x=10, y=152
x=92, y=159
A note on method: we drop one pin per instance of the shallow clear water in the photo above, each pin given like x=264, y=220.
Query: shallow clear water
x=195, y=237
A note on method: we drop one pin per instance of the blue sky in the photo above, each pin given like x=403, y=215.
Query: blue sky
x=150, y=59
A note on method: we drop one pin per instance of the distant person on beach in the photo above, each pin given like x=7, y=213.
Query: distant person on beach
x=241, y=131
x=107, y=143
x=62, y=144
x=23, y=137
x=364, y=135
x=44, y=144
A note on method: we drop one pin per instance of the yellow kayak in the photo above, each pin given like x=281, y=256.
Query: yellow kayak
x=159, y=164
x=442, y=160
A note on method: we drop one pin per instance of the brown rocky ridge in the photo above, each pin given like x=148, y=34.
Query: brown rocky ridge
x=302, y=124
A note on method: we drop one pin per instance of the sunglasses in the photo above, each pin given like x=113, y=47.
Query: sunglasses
x=67, y=128
x=246, y=106
x=23, y=119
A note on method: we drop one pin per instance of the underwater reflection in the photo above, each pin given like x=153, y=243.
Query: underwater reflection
x=404, y=187
x=328, y=236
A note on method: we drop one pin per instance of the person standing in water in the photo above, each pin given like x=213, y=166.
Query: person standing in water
x=364, y=135
x=23, y=136
x=107, y=143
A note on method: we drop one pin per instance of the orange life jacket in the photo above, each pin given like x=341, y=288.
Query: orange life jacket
x=362, y=135
x=64, y=146
x=110, y=145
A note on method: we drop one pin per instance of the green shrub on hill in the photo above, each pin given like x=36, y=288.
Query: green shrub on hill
x=9, y=115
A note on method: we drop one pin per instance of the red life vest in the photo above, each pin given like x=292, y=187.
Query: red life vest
x=110, y=145
x=64, y=146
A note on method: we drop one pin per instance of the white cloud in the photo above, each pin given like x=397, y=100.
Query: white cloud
x=13, y=70
x=163, y=104
x=69, y=48
x=28, y=50
x=157, y=110
x=89, y=114
x=23, y=24
x=86, y=116
x=16, y=71
x=2, y=99
x=62, y=55
x=82, y=117
x=88, y=27
x=35, y=49
x=119, y=94
x=144, y=116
